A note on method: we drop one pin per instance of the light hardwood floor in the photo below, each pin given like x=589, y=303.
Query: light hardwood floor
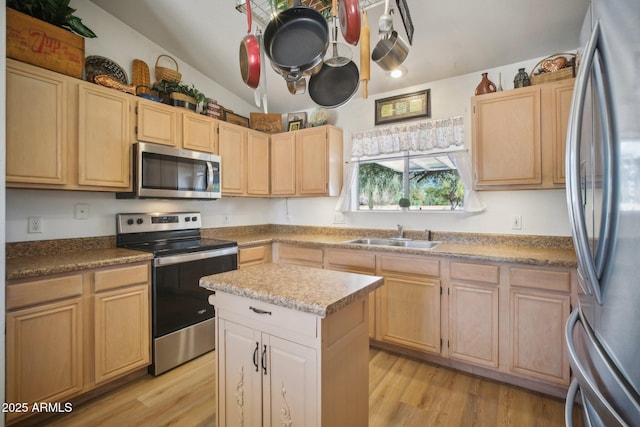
x=402, y=392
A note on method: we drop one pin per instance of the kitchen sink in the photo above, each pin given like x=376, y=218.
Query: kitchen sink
x=404, y=243
x=422, y=244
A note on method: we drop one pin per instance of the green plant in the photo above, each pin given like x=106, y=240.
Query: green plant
x=56, y=12
x=168, y=87
x=404, y=202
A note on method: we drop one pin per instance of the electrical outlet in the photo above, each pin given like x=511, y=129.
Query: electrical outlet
x=81, y=211
x=338, y=218
x=516, y=222
x=35, y=224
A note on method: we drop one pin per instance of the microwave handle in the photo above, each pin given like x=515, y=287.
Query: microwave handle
x=209, y=176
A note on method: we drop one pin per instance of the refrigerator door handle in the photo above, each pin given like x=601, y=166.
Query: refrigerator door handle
x=568, y=406
x=586, y=382
x=574, y=136
x=605, y=241
x=575, y=200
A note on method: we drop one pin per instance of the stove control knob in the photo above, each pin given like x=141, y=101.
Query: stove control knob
x=130, y=221
x=187, y=219
x=194, y=218
x=139, y=221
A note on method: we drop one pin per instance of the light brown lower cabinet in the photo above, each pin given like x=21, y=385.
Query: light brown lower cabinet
x=473, y=313
x=356, y=262
x=409, y=313
x=298, y=255
x=44, y=353
x=69, y=333
x=505, y=318
x=540, y=303
x=254, y=255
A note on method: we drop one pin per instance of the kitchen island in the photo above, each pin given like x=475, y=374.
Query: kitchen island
x=292, y=345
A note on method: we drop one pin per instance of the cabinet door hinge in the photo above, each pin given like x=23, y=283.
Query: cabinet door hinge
x=440, y=290
x=448, y=291
x=136, y=129
x=440, y=343
x=448, y=346
x=136, y=109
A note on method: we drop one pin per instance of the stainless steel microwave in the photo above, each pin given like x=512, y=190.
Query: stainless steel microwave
x=163, y=172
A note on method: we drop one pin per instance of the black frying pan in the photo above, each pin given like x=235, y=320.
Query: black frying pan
x=333, y=86
x=296, y=40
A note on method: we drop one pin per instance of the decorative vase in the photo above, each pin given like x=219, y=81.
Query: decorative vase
x=485, y=86
x=521, y=79
x=499, y=89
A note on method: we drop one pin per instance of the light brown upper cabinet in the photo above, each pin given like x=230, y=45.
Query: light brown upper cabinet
x=307, y=162
x=176, y=127
x=76, y=136
x=37, y=137
x=519, y=137
x=199, y=132
x=245, y=160
x=157, y=123
x=104, y=139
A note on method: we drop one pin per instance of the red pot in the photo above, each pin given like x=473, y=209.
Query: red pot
x=250, y=55
x=349, y=11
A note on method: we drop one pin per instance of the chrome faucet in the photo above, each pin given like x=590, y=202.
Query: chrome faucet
x=400, y=231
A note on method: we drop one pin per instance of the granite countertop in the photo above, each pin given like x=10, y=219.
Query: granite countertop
x=23, y=267
x=34, y=259
x=494, y=252
x=306, y=289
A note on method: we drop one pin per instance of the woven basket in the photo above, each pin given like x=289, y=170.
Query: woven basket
x=140, y=78
x=163, y=73
x=569, y=71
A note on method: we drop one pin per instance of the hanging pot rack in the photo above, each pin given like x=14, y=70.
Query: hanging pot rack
x=261, y=9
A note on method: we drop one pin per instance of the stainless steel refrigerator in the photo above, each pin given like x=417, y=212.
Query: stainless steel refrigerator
x=603, y=195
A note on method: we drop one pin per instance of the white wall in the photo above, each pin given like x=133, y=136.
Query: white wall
x=57, y=211
x=543, y=212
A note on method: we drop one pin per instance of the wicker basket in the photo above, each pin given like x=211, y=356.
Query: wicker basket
x=163, y=73
x=182, y=100
x=140, y=77
x=569, y=70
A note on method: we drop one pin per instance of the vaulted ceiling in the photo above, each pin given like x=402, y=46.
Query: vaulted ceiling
x=451, y=38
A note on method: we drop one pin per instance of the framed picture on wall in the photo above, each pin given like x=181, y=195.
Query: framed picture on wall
x=414, y=105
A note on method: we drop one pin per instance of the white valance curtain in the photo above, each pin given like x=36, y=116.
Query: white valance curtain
x=425, y=135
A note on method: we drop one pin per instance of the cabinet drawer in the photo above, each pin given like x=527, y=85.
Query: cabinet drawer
x=351, y=260
x=475, y=272
x=540, y=279
x=254, y=255
x=409, y=265
x=39, y=291
x=304, y=256
x=264, y=316
x=121, y=276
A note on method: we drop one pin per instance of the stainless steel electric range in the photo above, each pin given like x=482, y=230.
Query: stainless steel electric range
x=182, y=318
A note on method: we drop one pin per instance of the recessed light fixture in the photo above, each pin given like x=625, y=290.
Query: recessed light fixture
x=398, y=72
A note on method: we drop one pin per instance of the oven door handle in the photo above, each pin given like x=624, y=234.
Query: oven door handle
x=193, y=256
